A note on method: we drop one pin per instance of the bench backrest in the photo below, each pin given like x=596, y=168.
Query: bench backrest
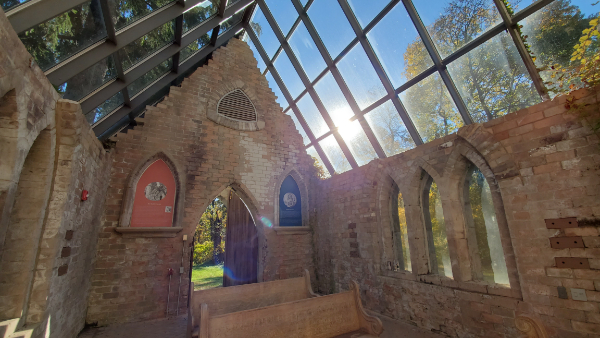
x=320, y=317
x=251, y=296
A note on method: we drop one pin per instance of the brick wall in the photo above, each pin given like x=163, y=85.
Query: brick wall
x=130, y=277
x=543, y=163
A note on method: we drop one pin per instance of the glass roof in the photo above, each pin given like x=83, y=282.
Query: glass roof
x=368, y=78
x=392, y=76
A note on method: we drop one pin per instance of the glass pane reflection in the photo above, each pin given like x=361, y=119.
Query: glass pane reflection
x=333, y=99
x=265, y=34
x=361, y=78
x=365, y=11
x=199, y=13
x=492, y=80
x=125, y=12
x=453, y=23
x=326, y=14
x=389, y=129
x=288, y=74
x=312, y=116
x=436, y=116
x=335, y=155
x=65, y=35
x=284, y=12
x=145, y=80
x=358, y=143
x=193, y=48
x=306, y=52
x=10, y=4
x=399, y=47
x=80, y=85
x=105, y=108
x=141, y=48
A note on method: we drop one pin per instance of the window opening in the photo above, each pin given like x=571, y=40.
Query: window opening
x=439, y=254
x=488, y=257
x=399, y=231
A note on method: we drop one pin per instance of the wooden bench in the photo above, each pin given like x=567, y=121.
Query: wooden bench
x=245, y=297
x=338, y=315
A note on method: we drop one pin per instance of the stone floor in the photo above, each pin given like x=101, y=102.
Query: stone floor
x=175, y=328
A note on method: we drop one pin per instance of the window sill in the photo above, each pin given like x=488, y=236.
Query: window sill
x=164, y=232
x=292, y=230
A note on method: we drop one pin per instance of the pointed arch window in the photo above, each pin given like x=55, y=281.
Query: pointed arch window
x=154, y=200
x=290, y=203
x=437, y=240
x=399, y=231
x=487, y=254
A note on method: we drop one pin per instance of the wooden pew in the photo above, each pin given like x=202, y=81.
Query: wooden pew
x=244, y=297
x=338, y=315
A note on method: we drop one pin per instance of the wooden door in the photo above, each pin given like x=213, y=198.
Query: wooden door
x=241, y=245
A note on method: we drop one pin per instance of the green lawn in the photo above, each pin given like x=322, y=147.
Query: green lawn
x=207, y=276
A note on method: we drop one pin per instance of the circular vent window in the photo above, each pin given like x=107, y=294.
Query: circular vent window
x=236, y=105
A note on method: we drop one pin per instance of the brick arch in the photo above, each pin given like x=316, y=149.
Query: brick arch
x=251, y=203
x=463, y=155
x=129, y=194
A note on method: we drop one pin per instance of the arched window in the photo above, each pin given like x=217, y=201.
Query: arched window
x=483, y=233
x=154, y=201
x=399, y=231
x=290, y=203
x=437, y=241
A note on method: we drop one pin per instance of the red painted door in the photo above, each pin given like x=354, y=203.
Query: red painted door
x=154, y=201
x=241, y=245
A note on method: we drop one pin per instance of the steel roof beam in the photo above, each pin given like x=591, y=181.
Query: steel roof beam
x=140, y=100
x=288, y=97
x=62, y=72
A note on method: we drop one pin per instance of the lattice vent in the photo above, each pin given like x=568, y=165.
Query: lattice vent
x=236, y=105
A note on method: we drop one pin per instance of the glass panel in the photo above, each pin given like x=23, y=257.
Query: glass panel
x=145, y=80
x=104, y=109
x=361, y=78
x=141, y=48
x=312, y=116
x=335, y=155
x=452, y=24
x=357, y=141
x=232, y=21
x=365, y=11
x=80, y=85
x=439, y=255
x=492, y=79
x=125, y=12
x=275, y=88
x=231, y=2
x=9, y=4
x=193, y=47
x=333, y=99
x=288, y=74
x=331, y=24
x=299, y=127
x=199, y=13
x=400, y=233
x=394, y=39
x=265, y=33
x=261, y=64
x=67, y=34
x=284, y=13
x=306, y=52
x=436, y=116
x=553, y=32
x=389, y=129
x=322, y=170
x=485, y=227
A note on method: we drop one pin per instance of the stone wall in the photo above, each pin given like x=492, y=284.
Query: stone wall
x=542, y=163
x=48, y=155
x=130, y=279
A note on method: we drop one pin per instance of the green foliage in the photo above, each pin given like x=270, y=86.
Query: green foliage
x=438, y=227
x=211, y=229
x=207, y=276
x=318, y=170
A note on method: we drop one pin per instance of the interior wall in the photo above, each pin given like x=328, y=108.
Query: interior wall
x=130, y=279
x=546, y=164
x=62, y=244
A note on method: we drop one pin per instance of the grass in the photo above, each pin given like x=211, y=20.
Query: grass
x=207, y=276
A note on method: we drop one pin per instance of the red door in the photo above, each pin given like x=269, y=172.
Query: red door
x=241, y=245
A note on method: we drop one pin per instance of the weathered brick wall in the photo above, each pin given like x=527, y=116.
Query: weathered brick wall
x=130, y=278
x=545, y=164
x=48, y=155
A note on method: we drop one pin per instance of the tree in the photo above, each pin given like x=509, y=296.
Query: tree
x=211, y=229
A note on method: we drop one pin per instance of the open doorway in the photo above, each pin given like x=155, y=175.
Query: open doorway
x=225, y=244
